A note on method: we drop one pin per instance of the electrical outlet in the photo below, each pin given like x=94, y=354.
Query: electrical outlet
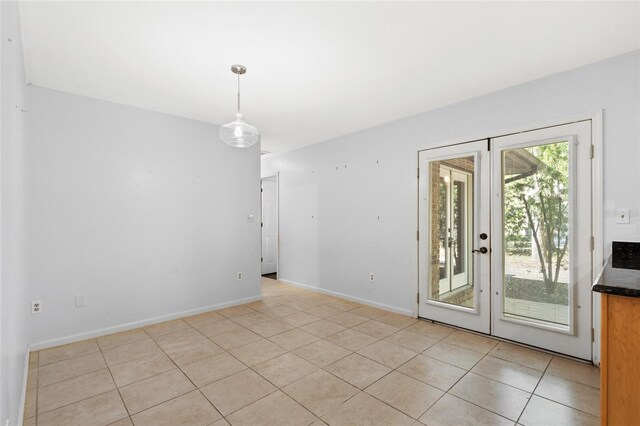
x=79, y=300
x=371, y=277
x=36, y=306
x=622, y=216
x=239, y=276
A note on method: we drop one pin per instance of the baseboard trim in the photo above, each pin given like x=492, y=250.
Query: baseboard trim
x=136, y=324
x=351, y=298
x=23, y=396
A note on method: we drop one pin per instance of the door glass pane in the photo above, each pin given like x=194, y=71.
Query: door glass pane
x=451, y=224
x=536, y=233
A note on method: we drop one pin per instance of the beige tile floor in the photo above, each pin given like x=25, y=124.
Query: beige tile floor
x=301, y=358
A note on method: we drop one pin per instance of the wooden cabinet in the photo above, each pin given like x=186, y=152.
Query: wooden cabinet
x=620, y=361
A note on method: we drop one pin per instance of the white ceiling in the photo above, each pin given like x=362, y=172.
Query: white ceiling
x=316, y=70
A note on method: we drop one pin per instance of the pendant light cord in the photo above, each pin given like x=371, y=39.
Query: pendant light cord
x=238, y=92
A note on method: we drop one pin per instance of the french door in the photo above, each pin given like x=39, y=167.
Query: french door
x=505, y=237
x=454, y=227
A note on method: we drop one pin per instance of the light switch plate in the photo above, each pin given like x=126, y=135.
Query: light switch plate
x=622, y=216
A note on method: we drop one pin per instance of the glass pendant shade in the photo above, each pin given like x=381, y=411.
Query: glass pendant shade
x=238, y=133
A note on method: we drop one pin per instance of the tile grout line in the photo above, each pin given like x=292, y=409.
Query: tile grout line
x=80, y=400
x=154, y=375
x=568, y=406
x=377, y=380
x=401, y=328
x=473, y=403
x=341, y=379
x=248, y=368
x=461, y=377
x=114, y=381
x=397, y=409
x=288, y=351
x=443, y=392
x=329, y=372
x=568, y=380
x=71, y=378
x=279, y=318
x=558, y=402
x=387, y=374
x=177, y=367
x=534, y=390
x=70, y=358
x=447, y=391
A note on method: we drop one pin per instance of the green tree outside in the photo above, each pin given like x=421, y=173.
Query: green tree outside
x=536, y=207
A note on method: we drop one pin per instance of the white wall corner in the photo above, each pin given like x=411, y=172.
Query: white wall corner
x=25, y=379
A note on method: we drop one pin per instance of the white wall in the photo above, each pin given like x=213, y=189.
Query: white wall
x=13, y=287
x=346, y=205
x=142, y=213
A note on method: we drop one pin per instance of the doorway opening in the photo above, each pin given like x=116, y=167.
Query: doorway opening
x=269, y=226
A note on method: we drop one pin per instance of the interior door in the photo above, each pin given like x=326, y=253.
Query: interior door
x=541, y=222
x=453, y=234
x=269, y=225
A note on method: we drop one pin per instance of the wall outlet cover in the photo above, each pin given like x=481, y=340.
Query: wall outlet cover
x=36, y=306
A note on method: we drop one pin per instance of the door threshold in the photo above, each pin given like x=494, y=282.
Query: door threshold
x=513, y=342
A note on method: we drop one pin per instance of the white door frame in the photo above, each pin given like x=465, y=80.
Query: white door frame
x=597, y=200
x=277, y=176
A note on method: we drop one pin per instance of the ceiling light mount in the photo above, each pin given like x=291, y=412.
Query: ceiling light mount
x=238, y=69
x=239, y=133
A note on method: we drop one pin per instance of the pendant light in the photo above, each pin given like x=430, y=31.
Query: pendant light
x=238, y=133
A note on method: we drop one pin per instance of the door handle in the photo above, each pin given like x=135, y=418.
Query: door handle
x=482, y=250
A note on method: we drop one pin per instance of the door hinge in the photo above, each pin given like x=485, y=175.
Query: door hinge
x=593, y=151
x=418, y=297
x=593, y=334
x=261, y=225
x=261, y=189
x=418, y=235
x=262, y=259
x=418, y=173
x=593, y=244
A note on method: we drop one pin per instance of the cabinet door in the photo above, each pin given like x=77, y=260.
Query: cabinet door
x=620, y=363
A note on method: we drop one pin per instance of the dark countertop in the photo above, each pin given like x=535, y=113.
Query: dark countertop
x=618, y=281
